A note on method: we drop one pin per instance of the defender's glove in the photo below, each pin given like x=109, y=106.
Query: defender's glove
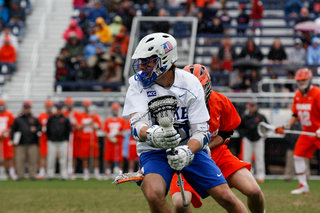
x=181, y=158
x=318, y=133
x=160, y=138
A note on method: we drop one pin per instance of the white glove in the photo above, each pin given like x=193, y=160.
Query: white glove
x=161, y=138
x=318, y=133
x=181, y=158
x=44, y=129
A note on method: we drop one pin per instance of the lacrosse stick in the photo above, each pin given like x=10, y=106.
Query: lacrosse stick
x=163, y=108
x=70, y=153
x=265, y=129
x=128, y=177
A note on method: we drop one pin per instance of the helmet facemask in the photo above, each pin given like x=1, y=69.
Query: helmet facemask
x=304, y=88
x=149, y=73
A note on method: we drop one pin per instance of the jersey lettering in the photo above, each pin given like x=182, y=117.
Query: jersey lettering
x=304, y=118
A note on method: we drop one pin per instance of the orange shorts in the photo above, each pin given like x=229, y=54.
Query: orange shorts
x=85, y=151
x=7, y=150
x=43, y=146
x=306, y=146
x=132, y=154
x=113, y=152
x=225, y=160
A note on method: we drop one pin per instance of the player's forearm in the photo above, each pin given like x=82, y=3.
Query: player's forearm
x=194, y=145
x=292, y=120
x=215, y=142
x=143, y=133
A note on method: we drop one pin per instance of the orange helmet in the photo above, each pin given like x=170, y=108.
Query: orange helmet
x=86, y=102
x=304, y=74
x=2, y=102
x=68, y=101
x=115, y=106
x=48, y=103
x=203, y=75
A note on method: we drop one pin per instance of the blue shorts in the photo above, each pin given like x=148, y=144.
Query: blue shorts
x=201, y=174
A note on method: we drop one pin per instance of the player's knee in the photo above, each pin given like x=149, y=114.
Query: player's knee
x=154, y=197
x=227, y=198
x=254, y=192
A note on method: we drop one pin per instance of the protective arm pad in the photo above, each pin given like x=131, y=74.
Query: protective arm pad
x=200, y=132
x=138, y=121
x=225, y=135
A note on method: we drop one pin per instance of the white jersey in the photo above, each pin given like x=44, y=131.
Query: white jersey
x=191, y=108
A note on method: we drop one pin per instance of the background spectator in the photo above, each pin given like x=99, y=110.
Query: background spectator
x=58, y=130
x=8, y=55
x=215, y=65
x=24, y=132
x=162, y=26
x=242, y=20
x=91, y=48
x=252, y=80
x=63, y=73
x=227, y=54
x=121, y=43
x=73, y=29
x=150, y=11
x=83, y=72
x=256, y=13
x=97, y=10
x=251, y=51
x=313, y=52
x=74, y=46
x=98, y=63
x=303, y=16
x=297, y=56
x=277, y=54
x=4, y=13
x=116, y=25
x=12, y=38
x=202, y=24
x=253, y=143
x=225, y=17
x=292, y=9
x=102, y=31
x=77, y=4
x=314, y=8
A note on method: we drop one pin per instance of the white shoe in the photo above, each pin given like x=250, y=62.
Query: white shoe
x=97, y=176
x=107, y=176
x=301, y=190
x=72, y=177
x=4, y=177
x=86, y=176
x=14, y=177
x=40, y=176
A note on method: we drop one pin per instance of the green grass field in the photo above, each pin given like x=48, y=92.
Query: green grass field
x=101, y=196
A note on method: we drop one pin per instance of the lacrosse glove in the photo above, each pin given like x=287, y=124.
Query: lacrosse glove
x=181, y=157
x=159, y=137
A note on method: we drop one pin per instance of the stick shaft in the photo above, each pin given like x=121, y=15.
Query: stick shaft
x=299, y=132
x=183, y=193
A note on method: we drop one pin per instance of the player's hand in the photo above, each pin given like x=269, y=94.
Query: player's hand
x=318, y=133
x=161, y=138
x=279, y=130
x=181, y=157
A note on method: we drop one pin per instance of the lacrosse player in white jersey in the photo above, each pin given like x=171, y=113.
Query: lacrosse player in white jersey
x=156, y=75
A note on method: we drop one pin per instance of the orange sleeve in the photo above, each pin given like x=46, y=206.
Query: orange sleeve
x=97, y=120
x=105, y=126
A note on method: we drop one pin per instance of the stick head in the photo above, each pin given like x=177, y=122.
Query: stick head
x=163, y=108
x=265, y=129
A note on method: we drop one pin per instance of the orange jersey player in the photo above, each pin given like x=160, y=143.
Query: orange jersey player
x=43, y=147
x=132, y=150
x=223, y=120
x=88, y=124
x=114, y=127
x=73, y=146
x=306, y=108
x=6, y=121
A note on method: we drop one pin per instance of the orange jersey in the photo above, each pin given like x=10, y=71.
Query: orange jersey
x=89, y=129
x=6, y=121
x=223, y=116
x=307, y=108
x=114, y=125
x=43, y=119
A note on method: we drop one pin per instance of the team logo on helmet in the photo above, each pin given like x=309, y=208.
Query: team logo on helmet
x=167, y=47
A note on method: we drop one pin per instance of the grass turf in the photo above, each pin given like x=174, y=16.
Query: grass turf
x=101, y=196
